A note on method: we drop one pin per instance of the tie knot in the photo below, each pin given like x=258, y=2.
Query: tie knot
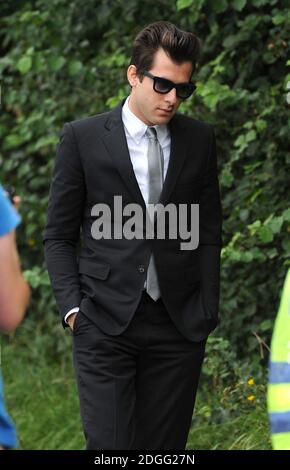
x=151, y=133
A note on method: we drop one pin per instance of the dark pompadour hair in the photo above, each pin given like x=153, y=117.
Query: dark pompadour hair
x=181, y=46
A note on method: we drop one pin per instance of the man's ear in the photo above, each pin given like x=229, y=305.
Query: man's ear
x=132, y=75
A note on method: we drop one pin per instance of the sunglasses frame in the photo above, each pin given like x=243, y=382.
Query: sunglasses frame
x=170, y=84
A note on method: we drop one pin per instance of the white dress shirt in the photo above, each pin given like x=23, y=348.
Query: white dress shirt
x=135, y=130
x=138, y=145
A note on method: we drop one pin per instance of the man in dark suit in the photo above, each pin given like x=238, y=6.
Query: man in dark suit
x=140, y=308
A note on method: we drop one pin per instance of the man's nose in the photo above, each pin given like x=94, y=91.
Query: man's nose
x=171, y=97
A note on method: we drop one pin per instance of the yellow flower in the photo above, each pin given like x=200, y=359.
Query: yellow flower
x=251, y=398
x=251, y=382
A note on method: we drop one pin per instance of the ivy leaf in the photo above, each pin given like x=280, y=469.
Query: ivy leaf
x=226, y=178
x=24, y=64
x=286, y=214
x=279, y=19
x=181, y=4
x=56, y=63
x=219, y=5
x=266, y=325
x=38, y=62
x=12, y=141
x=250, y=136
x=247, y=256
x=272, y=253
x=265, y=234
x=239, y=4
x=230, y=41
x=259, y=3
x=244, y=214
x=275, y=224
x=286, y=245
x=261, y=124
x=75, y=66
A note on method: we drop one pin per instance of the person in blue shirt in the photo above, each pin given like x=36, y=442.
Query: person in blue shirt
x=14, y=297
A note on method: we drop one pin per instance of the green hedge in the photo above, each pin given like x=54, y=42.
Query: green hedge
x=65, y=59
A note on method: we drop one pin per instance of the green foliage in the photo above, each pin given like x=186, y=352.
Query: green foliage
x=41, y=391
x=62, y=60
x=247, y=431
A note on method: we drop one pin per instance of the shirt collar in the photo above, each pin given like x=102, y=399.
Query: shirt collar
x=137, y=128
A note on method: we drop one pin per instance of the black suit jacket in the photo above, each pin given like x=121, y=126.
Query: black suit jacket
x=106, y=277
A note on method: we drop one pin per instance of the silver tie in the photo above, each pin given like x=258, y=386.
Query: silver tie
x=155, y=173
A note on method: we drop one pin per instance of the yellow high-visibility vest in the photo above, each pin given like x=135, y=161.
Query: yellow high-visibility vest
x=278, y=395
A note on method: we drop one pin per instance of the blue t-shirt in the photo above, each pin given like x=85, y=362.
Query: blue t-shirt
x=9, y=219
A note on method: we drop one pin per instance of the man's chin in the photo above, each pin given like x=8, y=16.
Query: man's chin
x=163, y=115
x=159, y=118
x=162, y=119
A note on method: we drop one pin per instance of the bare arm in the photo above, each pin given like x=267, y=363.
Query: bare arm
x=14, y=290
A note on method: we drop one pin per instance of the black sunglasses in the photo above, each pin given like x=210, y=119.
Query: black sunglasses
x=162, y=85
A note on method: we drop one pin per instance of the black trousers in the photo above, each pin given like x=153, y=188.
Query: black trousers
x=137, y=390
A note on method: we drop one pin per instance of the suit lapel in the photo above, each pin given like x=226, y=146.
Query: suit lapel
x=116, y=144
x=176, y=159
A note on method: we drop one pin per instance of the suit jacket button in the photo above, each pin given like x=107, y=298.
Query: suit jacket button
x=141, y=269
